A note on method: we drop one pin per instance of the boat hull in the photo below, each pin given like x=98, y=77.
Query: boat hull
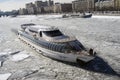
x=78, y=16
x=68, y=57
x=87, y=16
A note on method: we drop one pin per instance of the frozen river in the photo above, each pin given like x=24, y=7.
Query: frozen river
x=102, y=33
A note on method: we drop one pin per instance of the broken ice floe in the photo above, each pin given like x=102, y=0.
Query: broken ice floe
x=20, y=56
x=3, y=57
x=8, y=41
x=3, y=53
x=7, y=50
x=0, y=63
x=16, y=39
x=22, y=74
x=16, y=55
x=5, y=76
x=14, y=52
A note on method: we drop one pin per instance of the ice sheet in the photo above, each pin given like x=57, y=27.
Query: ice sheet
x=20, y=56
x=5, y=76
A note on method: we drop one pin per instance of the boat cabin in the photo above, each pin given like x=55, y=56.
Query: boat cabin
x=53, y=39
x=41, y=31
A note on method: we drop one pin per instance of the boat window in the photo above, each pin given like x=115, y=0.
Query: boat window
x=30, y=24
x=53, y=33
x=74, y=46
x=32, y=31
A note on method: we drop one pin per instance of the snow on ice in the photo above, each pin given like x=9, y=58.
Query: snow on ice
x=20, y=56
x=5, y=76
x=106, y=17
x=0, y=63
x=3, y=53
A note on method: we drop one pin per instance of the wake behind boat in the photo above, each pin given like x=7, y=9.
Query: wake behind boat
x=54, y=44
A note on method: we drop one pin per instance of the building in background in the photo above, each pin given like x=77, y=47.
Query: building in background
x=50, y=7
x=23, y=11
x=41, y=3
x=50, y=3
x=83, y=5
x=105, y=5
x=62, y=8
x=31, y=9
x=39, y=6
x=117, y=5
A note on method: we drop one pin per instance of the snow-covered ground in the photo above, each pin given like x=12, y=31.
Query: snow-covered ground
x=102, y=33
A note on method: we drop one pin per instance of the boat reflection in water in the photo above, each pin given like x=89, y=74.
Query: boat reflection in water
x=54, y=44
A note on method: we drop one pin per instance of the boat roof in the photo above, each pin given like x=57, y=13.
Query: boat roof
x=39, y=28
x=29, y=24
x=42, y=28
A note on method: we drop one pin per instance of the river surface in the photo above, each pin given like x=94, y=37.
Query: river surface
x=102, y=33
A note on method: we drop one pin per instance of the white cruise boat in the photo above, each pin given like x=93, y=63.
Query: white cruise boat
x=51, y=42
x=75, y=15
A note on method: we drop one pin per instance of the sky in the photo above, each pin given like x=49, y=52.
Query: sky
x=8, y=5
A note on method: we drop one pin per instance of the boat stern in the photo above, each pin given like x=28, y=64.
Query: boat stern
x=84, y=59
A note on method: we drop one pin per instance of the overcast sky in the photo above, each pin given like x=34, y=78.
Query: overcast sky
x=8, y=5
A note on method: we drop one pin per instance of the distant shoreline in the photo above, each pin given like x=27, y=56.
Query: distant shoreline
x=96, y=13
x=107, y=13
